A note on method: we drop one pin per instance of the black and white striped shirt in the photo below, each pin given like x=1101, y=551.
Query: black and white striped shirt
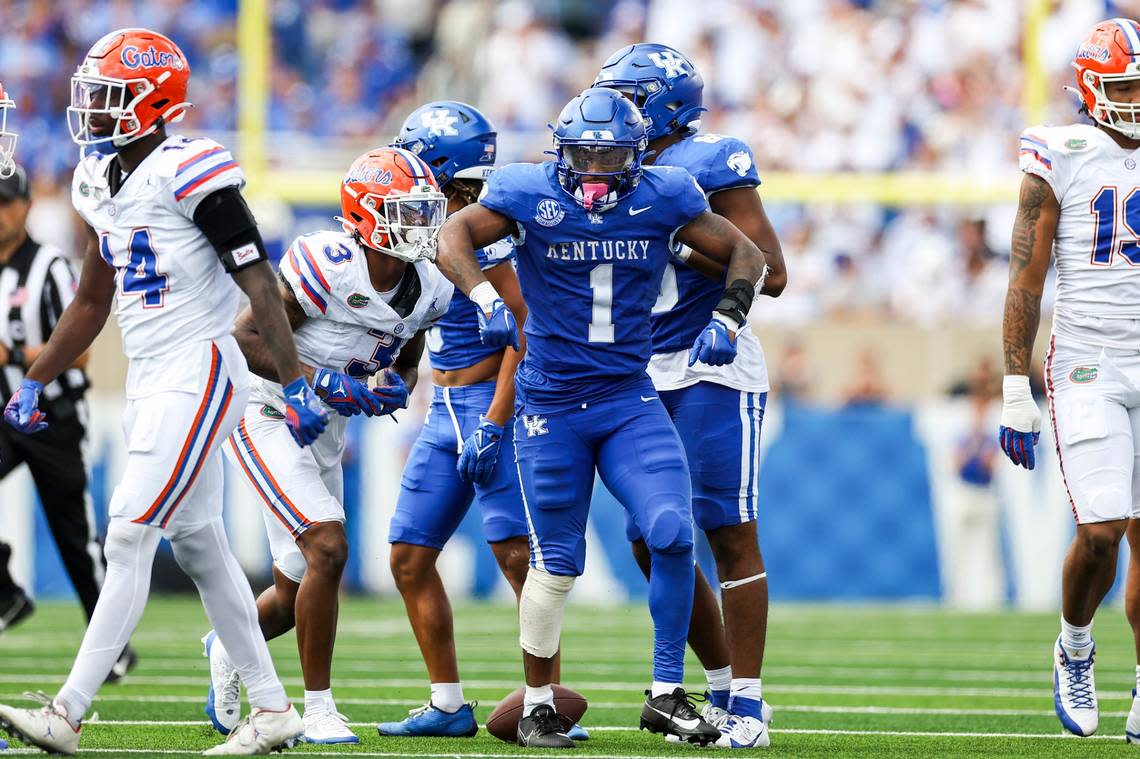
x=36, y=284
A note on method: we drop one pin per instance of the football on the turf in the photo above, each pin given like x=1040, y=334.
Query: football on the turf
x=504, y=721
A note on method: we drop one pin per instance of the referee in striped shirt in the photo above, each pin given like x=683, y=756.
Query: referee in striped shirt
x=36, y=284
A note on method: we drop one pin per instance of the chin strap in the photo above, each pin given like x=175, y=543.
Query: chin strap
x=729, y=584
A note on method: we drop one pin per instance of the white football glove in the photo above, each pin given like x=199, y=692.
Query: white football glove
x=1020, y=421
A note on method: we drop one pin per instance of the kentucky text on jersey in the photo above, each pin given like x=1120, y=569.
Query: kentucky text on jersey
x=600, y=250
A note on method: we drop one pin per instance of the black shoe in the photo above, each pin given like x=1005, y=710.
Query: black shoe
x=15, y=607
x=544, y=728
x=674, y=714
x=124, y=664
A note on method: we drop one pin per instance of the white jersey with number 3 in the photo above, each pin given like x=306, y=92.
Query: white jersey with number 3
x=1097, y=244
x=171, y=287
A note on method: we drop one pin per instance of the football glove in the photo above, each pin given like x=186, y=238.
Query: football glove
x=497, y=326
x=480, y=452
x=346, y=395
x=393, y=396
x=716, y=345
x=1020, y=421
x=304, y=415
x=23, y=409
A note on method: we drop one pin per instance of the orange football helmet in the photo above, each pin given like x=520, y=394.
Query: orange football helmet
x=1111, y=53
x=137, y=79
x=390, y=201
x=7, y=139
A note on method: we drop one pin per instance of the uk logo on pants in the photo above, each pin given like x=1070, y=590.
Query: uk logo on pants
x=535, y=425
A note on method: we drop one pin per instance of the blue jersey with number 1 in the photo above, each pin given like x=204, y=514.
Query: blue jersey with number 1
x=589, y=279
x=453, y=343
x=687, y=296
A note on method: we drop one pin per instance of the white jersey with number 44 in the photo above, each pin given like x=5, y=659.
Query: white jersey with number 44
x=172, y=289
x=1097, y=244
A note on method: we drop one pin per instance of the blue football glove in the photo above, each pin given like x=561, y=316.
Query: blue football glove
x=480, y=452
x=304, y=415
x=497, y=327
x=1020, y=421
x=23, y=409
x=393, y=395
x=716, y=345
x=346, y=395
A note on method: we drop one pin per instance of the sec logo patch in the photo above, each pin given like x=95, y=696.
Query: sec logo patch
x=549, y=213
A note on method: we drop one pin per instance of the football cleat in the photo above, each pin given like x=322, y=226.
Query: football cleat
x=14, y=609
x=223, y=701
x=743, y=732
x=262, y=732
x=674, y=714
x=430, y=721
x=46, y=728
x=717, y=717
x=1132, y=726
x=577, y=733
x=544, y=728
x=1074, y=691
x=327, y=727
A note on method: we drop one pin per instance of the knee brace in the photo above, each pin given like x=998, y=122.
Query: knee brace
x=540, y=611
x=670, y=531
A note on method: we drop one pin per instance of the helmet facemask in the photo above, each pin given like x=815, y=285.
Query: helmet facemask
x=93, y=94
x=598, y=173
x=7, y=139
x=1119, y=116
x=404, y=225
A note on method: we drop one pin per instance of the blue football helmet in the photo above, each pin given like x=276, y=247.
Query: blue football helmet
x=599, y=141
x=454, y=139
x=661, y=81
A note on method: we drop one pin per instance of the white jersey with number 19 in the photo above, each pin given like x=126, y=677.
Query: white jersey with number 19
x=1097, y=244
x=172, y=288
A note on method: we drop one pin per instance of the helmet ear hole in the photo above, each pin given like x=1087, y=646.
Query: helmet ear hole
x=356, y=217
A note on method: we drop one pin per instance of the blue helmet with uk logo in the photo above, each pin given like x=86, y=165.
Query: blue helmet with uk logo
x=661, y=81
x=599, y=141
x=453, y=138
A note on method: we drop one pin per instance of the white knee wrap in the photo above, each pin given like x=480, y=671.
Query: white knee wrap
x=540, y=611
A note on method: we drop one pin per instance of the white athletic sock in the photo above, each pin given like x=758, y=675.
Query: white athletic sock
x=319, y=701
x=719, y=679
x=130, y=556
x=206, y=557
x=1073, y=636
x=448, y=697
x=746, y=687
x=534, y=697
x=660, y=689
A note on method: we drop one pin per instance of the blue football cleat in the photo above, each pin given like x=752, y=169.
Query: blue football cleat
x=223, y=700
x=428, y=721
x=577, y=733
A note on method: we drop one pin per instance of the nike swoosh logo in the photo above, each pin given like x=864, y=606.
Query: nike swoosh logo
x=636, y=211
x=650, y=398
x=687, y=724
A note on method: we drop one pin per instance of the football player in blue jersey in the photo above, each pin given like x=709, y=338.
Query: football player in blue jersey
x=594, y=231
x=466, y=448
x=718, y=410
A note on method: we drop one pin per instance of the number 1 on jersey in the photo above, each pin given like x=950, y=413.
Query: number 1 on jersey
x=601, y=313
x=1104, y=210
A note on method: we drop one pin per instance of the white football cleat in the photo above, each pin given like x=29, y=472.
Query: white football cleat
x=717, y=717
x=223, y=702
x=1132, y=726
x=327, y=727
x=1074, y=691
x=743, y=732
x=262, y=732
x=46, y=727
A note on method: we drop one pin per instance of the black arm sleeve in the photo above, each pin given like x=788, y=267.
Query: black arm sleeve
x=228, y=224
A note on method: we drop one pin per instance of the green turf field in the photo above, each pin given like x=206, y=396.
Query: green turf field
x=844, y=681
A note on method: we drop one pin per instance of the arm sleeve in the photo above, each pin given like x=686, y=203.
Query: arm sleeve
x=495, y=254
x=206, y=168
x=301, y=272
x=226, y=221
x=1037, y=156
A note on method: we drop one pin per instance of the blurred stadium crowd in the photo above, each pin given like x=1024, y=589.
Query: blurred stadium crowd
x=813, y=85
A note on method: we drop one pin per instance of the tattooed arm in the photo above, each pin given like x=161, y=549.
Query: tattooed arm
x=1037, y=214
